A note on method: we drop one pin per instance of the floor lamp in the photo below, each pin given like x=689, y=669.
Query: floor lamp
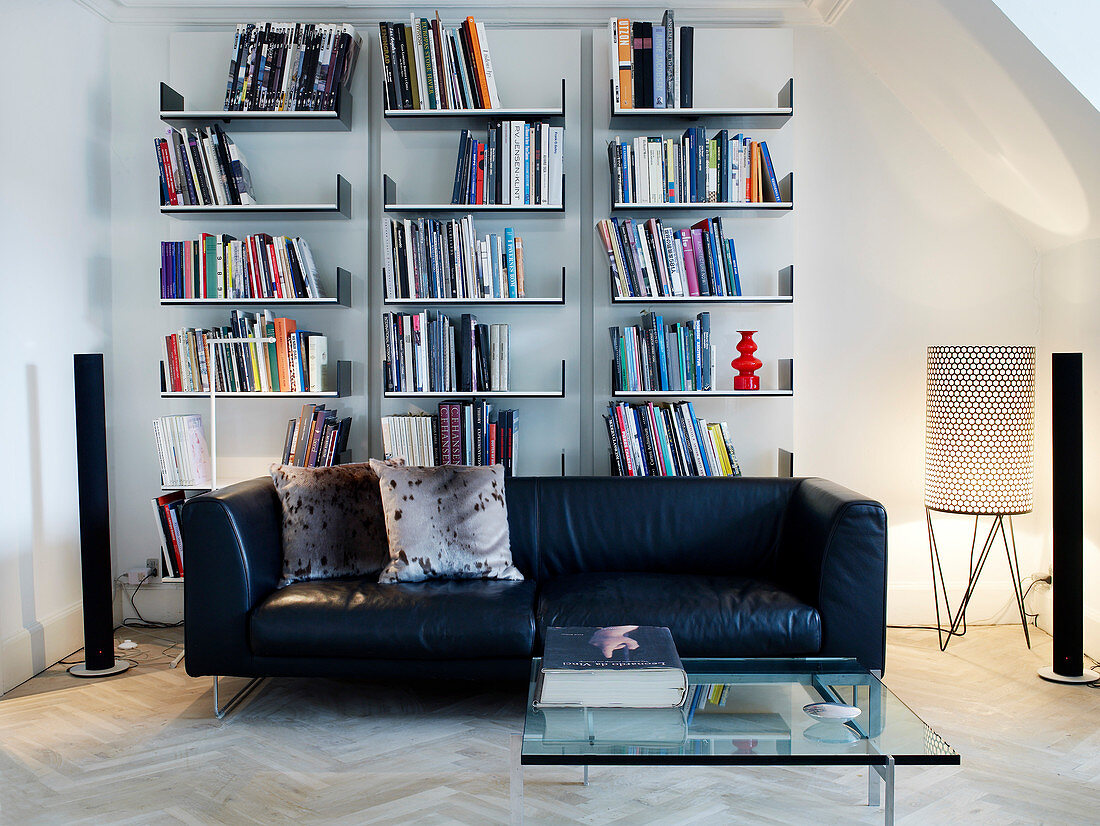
x=979, y=459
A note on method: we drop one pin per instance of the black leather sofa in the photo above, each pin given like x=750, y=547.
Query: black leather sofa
x=738, y=567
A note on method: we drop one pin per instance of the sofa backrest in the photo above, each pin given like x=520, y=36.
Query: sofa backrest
x=571, y=524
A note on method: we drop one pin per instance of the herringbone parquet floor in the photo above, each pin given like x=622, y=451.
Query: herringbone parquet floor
x=145, y=748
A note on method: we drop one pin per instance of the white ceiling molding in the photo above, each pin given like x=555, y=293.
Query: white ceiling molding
x=569, y=13
x=829, y=10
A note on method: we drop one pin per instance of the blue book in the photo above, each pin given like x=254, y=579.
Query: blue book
x=699, y=437
x=526, y=163
x=658, y=66
x=628, y=190
x=460, y=166
x=662, y=360
x=773, y=183
x=510, y=257
x=733, y=271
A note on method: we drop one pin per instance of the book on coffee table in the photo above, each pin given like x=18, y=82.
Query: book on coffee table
x=619, y=666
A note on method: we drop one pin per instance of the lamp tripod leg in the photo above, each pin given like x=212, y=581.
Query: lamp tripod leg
x=1014, y=570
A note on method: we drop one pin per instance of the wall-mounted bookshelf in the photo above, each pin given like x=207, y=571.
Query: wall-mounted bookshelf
x=174, y=112
x=341, y=299
x=751, y=117
x=339, y=207
x=484, y=394
x=460, y=118
x=526, y=301
x=391, y=204
x=785, y=295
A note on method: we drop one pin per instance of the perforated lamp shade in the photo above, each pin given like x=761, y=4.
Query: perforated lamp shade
x=980, y=430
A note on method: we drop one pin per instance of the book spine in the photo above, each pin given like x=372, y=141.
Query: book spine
x=625, y=84
x=687, y=58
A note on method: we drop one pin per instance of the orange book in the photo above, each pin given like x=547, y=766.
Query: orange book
x=283, y=328
x=479, y=65
x=626, y=72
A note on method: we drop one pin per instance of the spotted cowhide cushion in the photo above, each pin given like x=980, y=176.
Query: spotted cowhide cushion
x=333, y=523
x=447, y=522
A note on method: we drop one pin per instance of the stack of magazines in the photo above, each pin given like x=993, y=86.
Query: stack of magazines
x=618, y=666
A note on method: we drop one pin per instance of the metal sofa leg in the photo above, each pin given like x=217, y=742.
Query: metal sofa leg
x=236, y=698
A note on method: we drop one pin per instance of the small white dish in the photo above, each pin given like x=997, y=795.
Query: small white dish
x=831, y=732
x=832, y=711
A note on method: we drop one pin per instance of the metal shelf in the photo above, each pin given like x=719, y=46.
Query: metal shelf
x=785, y=388
x=342, y=298
x=488, y=394
x=389, y=201
x=480, y=302
x=342, y=206
x=766, y=117
x=786, y=192
x=453, y=118
x=785, y=295
x=175, y=113
x=343, y=388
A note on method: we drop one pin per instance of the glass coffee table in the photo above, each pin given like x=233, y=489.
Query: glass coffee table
x=739, y=712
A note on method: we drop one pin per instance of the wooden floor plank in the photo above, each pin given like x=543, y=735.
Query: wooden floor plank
x=144, y=747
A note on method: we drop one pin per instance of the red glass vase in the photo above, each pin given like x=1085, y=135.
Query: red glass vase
x=746, y=364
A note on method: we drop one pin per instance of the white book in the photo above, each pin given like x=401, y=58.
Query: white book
x=387, y=253
x=436, y=76
x=544, y=182
x=421, y=69
x=211, y=168
x=675, y=102
x=494, y=357
x=387, y=438
x=309, y=268
x=406, y=346
x=515, y=168
x=490, y=79
x=506, y=164
x=423, y=364
x=505, y=383
x=483, y=254
x=658, y=190
x=556, y=165
x=410, y=258
x=241, y=174
x=641, y=171
x=648, y=263
x=197, y=453
x=166, y=475
x=613, y=60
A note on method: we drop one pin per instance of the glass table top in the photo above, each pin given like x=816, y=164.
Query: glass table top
x=742, y=712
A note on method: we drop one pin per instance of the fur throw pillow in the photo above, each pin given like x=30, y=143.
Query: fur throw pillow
x=333, y=524
x=448, y=522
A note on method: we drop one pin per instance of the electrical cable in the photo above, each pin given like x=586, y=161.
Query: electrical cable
x=141, y=622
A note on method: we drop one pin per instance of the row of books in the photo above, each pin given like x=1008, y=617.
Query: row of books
x=656, y=356
x=517, y=163
x=166, y=516
x=432, y=258
x=650, y=259
x=650, y=439
x=256, y=266
x=692, y=169
x=202, y=168
x=430, y=66
x=182, y=451
x=287, y=67
x=463, y=433
x=652, y=63
x=277, y=358
x=426, y=352
x=316, y=438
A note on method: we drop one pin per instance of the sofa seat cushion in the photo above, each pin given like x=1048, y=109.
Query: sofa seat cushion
x=709, y=616
x=446, y=620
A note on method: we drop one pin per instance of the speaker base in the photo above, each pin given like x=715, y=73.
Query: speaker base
x=82, y=670
x=1087, y=676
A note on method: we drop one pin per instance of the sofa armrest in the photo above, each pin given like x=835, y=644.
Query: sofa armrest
x=233, y=558
x=832, y=554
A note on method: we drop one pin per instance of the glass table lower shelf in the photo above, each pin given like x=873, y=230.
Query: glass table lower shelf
x=739, y=712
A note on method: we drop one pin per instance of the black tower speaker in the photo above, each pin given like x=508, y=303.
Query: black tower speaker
x=95, y=529
x=1069, y=520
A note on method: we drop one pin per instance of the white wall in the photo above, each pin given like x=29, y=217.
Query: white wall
x=897, y=250
x=55, y=232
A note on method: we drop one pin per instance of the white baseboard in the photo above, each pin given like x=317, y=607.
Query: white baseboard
x=912, y=603
x=34, y=649
x=1092, y=633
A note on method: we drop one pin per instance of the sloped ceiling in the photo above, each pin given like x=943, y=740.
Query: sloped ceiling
x=1004, y=113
